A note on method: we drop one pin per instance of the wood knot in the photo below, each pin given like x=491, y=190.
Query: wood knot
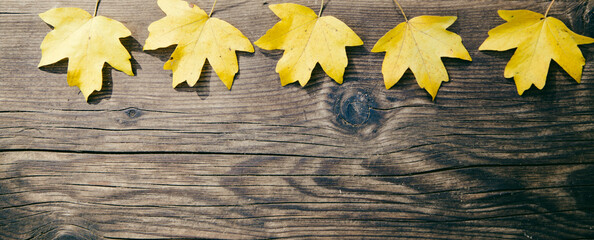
x=355, y=113
x=354, y=107
x=133, y=113
x=70, y=232
x=67, y=237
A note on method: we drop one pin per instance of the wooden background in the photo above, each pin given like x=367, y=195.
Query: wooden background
x=143, y=160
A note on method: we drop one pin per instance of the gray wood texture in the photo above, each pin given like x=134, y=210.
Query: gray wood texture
x=142, y=160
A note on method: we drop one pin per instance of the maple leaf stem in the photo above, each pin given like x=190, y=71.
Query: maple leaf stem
x=321, y=9
x=402, y=10
x=96, y=8
x=212, y=9
x=549, y=8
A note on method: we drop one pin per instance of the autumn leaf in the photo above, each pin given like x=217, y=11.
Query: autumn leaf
x=88, y=42
x=198, y=37
x=307, y=40
x=538, y=39
x=419, y=44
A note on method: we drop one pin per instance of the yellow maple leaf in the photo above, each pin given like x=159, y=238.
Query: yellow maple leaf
x=307, y=40
x=538, y=39
x=198, y=37
x=419, y=44
x=88, y=42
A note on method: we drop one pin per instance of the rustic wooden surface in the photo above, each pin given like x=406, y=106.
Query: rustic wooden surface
x=143, y=160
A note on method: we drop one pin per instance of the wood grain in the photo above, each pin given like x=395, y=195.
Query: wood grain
x=142, y=160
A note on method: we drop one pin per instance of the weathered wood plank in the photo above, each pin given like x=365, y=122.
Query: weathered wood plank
x=143, y=160
x=226, y=196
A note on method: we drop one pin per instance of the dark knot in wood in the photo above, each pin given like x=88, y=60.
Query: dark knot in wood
x=67, y=237
x=70, y=232
x=133, y=113
x=354, y=107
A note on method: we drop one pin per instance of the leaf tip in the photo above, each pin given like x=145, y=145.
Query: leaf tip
x=433, y=94
x=376, y=49
x=260, y=43
x=482, y=46
x=87, y=93
x=227, y=80
x=302, y=83
x=520, y=91
x=250, y=48
x=129, y=72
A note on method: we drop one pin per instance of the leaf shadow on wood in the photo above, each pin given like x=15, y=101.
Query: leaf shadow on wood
x=352, y=71
x=588, y=52
x=240, y=57
x=551, y=91
x=405, y=88
x=556, y=75
x=61, y=67
x=315, y=82
x=501, y=56
x=132, y=45
x=202, y=87
x=207, y=75
x=497, y=60
x=318, y=76
x=558, y=84
x=162, y=53
x=107, y=88
x=455, y=68
x=272, y=54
